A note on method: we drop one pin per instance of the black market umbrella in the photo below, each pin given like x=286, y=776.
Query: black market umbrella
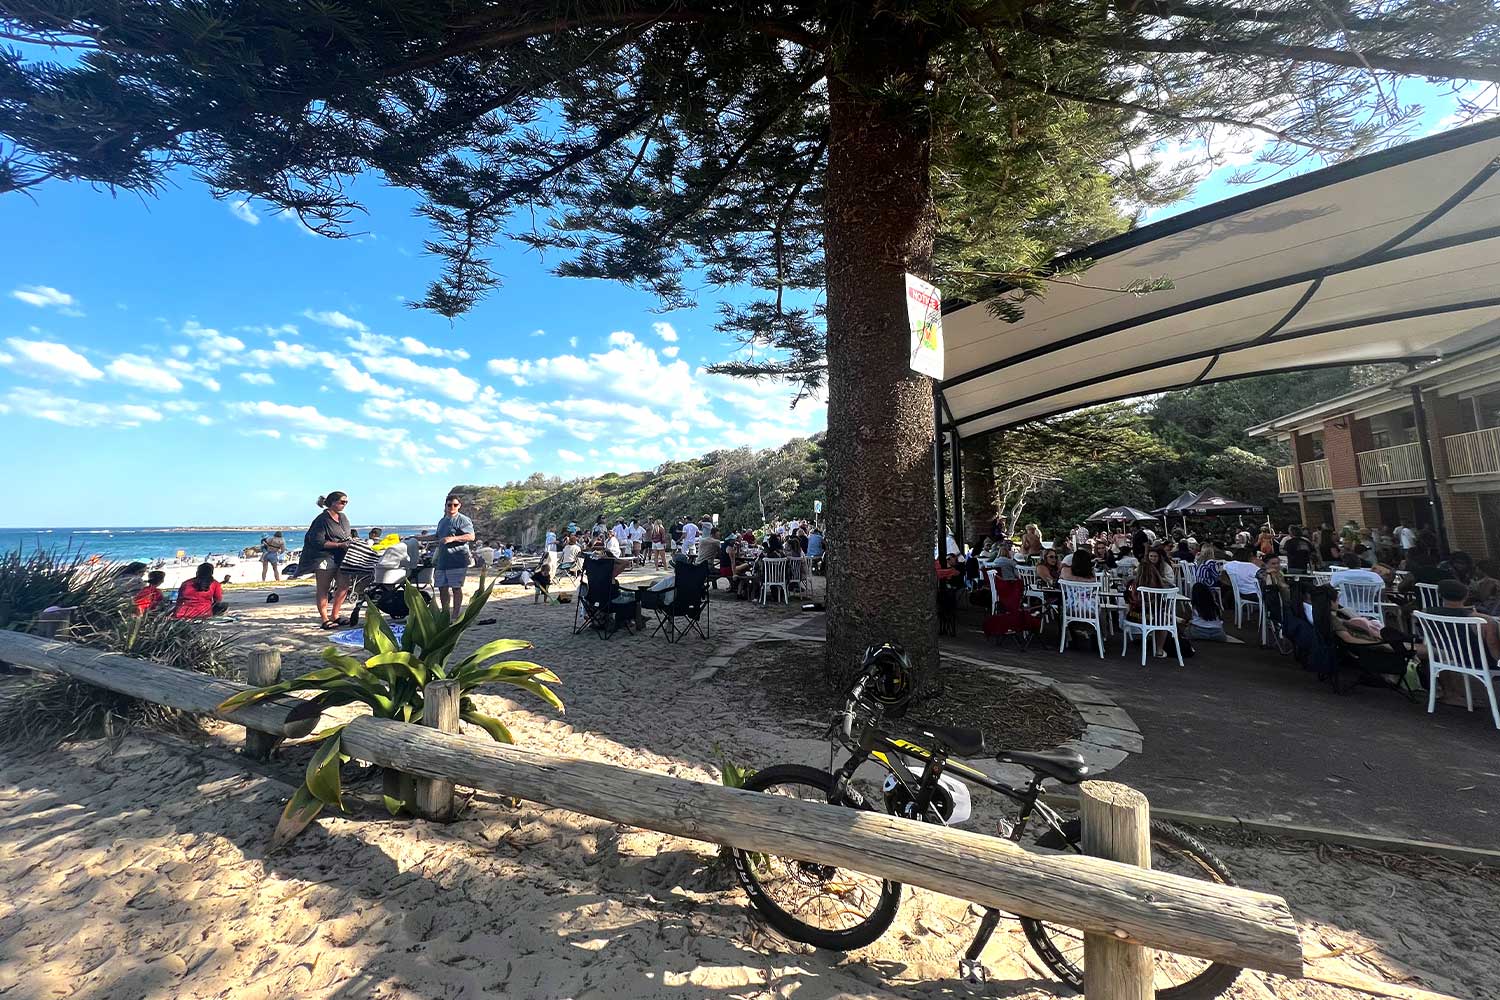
x=1213, y=502
x=1185, y=500
x=1121, y=513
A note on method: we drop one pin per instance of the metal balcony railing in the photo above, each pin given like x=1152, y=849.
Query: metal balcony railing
x=1400, y=463
x=1473, y=454
x=1315, y=475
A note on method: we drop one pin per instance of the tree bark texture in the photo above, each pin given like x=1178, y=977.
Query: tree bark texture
x=879, y=224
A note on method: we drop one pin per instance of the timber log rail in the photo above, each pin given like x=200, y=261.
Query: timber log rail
x=1116, y=905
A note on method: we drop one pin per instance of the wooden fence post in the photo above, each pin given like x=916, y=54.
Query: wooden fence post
x=440, y=712
x=1116, y=826
x=263, y=668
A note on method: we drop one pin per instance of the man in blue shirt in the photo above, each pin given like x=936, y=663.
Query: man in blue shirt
x=815, y=547
x=450, y=562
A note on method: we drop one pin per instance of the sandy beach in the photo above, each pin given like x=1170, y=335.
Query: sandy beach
x=140, y=869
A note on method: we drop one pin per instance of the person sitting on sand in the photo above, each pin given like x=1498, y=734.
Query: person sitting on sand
x=200, y=597
x=150, y=597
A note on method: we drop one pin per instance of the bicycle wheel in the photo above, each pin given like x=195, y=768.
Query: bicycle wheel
x=816, y=904
x=1178, y=977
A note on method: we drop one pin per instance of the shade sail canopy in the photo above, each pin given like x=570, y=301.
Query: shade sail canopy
x=1393, y=256
x=1176, y=505
x=1213, y=502
x=1121, y=513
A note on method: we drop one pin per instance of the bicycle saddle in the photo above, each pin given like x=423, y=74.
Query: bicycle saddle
x=1067, y=766
x=961, y=740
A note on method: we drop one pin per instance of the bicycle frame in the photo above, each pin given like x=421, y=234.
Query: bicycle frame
x=868, y=743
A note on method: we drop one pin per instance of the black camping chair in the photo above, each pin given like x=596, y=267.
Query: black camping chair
x=689, y=601
x=594, y=595
x=654, y=599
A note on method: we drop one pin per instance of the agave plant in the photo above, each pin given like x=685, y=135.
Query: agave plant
x=391, y=682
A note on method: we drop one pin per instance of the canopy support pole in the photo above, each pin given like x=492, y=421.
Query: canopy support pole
x=956, y=460
x=1434, y=502
x=937, y=472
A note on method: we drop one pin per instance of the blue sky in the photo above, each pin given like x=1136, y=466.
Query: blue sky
x=182, y=360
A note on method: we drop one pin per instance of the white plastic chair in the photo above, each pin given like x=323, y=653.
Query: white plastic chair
x=1185, y=577
x=807, y=575
x=1158, y=614
x=1250, y=603
x=1457, y=645
x=1362, y=599
x=1080, y=603
x=1321, y=577
x=991, y=575
x=1427, y=595
x=773, y=575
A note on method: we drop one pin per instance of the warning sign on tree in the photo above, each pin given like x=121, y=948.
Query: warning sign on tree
x=924, y=309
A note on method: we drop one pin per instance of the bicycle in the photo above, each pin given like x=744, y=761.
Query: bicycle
x=859, y=908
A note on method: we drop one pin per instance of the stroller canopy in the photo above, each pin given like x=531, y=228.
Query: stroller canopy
x=1121, y=513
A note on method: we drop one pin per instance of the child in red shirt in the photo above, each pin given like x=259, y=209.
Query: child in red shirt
x=150, y=596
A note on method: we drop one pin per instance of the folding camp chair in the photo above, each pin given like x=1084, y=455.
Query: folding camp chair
x=689, y=601
x=594, y=596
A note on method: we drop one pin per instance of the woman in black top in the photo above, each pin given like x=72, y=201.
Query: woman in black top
x=323, y=549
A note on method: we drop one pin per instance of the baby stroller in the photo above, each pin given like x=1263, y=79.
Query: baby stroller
x=387, y=589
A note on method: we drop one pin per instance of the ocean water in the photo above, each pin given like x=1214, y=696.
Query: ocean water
x=151, y=544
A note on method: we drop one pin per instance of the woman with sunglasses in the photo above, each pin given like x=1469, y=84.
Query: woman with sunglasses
x=323, y=549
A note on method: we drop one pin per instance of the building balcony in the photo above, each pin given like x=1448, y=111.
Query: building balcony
x=1286, y=479
x=1476, y=453
x=1400, y=463
x=1315, y=475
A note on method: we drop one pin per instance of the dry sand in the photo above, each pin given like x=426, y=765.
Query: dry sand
x=139, y=869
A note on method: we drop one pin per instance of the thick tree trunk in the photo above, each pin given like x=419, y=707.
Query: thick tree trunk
x=879, y=224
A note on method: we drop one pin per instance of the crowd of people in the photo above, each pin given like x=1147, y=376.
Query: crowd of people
x=736, y=555
x=1255, y=566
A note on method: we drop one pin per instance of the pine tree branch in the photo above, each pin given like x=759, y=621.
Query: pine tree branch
x=803, y=85
x=1404, y=65
x=645, y=16
x=1225, y=12
x=778, y=230
x=1060, y=93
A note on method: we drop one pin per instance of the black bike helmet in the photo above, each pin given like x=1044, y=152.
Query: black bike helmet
x=890, y=675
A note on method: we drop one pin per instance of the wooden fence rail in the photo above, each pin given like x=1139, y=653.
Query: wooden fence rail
x=164, y=685
x=1129, y=904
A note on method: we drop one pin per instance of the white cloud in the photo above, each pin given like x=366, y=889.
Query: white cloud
x=412, y=456
x=211, y=343
x=268, y=432
x=538, y=333
x=371, y=343
x=670, y=350
x=569, y=456
x=258, y=378
x=307, y=418
x=79, y=413
x=334, y=318
x=572, y=341
x=449, y=382
x=49, y=358
x=310, y=441
x=244, y=212
x=503, y=455
x=411, y=345
x=351, y=379
x=47, y=297
x=143, y=373
x=285, y=354
x=665, y=331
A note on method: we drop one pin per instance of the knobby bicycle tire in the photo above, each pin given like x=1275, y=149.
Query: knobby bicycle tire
x=747, y=864
x=1211, y=982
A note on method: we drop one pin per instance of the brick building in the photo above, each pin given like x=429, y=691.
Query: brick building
x=1360, y=457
